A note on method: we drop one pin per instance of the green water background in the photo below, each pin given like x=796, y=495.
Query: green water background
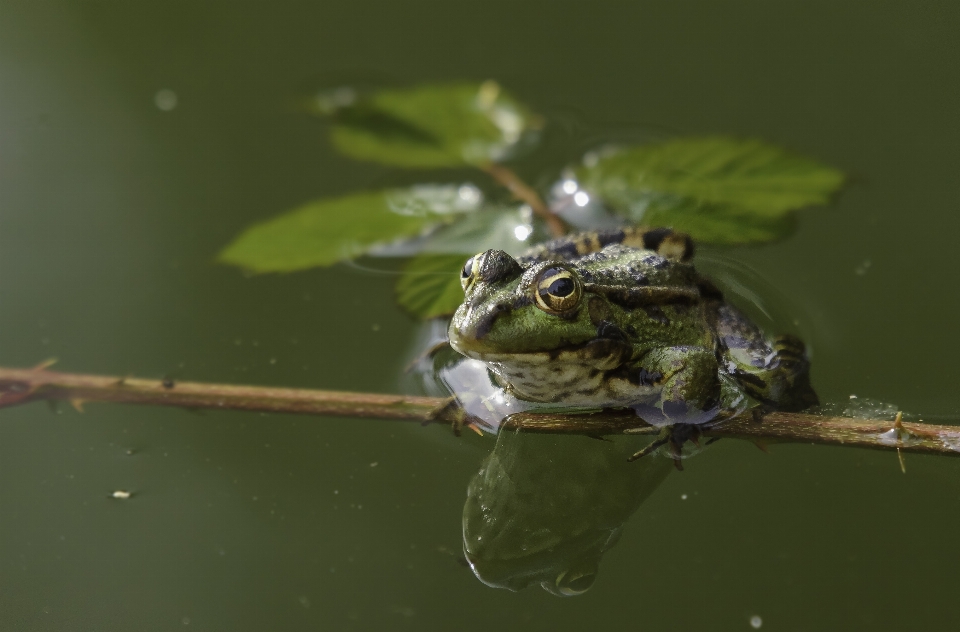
x=111, y=211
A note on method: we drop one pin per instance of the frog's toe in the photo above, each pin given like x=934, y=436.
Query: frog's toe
x=680, y=434
x=650, y=447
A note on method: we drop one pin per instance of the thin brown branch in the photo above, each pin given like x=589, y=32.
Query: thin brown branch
x=25, y=385
x=525, y=193
x=774, y=427
x=20, y=386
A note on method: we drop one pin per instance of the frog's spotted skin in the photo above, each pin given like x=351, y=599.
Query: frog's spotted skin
x=622, y=319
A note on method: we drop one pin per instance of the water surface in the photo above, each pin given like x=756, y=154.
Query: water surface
x=112, y=208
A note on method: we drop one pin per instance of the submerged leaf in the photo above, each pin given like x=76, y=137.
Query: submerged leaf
x=430, y=285
x=326, y=231
x=431, y=126
x=719, y=189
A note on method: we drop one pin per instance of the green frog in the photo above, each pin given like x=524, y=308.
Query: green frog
x=622, y=319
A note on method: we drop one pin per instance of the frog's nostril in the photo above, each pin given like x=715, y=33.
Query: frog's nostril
x=485, y=321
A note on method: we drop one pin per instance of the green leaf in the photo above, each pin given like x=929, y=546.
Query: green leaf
x=719, y=189
x=430, y=285
x=716, y=223
x=326, y=231
x=494, y=227
x=430, y=126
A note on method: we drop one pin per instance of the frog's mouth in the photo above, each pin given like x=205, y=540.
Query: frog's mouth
x=600, y=353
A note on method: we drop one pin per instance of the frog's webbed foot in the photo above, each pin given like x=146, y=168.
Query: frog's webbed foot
x=453, y=412
x=675, y=436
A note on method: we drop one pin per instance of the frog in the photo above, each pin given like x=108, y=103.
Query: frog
x=618, y=319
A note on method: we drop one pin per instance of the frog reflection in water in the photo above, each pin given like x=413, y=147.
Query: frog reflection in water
x=620, y=319
x=543, y=509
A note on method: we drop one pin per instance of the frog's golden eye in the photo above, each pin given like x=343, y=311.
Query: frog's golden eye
x=467, y=274
x=557, y=290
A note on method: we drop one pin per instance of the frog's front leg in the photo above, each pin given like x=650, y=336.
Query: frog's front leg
x=690, y=394
x=689, y=385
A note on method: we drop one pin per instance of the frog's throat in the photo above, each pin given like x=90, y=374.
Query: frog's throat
x=601, y=354
x=568, y=376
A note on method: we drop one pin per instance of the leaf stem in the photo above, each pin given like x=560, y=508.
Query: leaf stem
x=525, y=193
x=19, y=386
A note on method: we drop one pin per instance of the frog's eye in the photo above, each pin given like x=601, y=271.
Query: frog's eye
x=558, y=290
x=466, y=275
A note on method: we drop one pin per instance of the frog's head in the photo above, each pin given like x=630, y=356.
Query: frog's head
x=521, y=319
x=510, y=308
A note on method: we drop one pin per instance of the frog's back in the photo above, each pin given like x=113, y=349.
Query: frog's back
x=663, y=241
x=775, y=373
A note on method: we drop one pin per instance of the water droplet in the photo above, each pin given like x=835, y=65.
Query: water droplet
x=469, y=193
x=581, y=198
x=569, y=187
x=756, y=622
x=165, y=100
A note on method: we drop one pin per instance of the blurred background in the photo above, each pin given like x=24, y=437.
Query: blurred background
x=138, y=138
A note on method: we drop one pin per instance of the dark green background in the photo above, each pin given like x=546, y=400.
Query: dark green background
x=111, y=212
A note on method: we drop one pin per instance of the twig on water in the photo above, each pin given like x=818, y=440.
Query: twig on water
x=21, y=386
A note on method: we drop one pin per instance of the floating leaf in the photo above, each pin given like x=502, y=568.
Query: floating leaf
x=510, y=229
x=430, y=285
x=326, y=231
x=719, y=189
x=430, y=126
x=712, y=223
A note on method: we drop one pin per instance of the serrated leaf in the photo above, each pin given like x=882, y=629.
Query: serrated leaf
x=430, y=285
x=715, y=185
x=432, y=126
x=326, y=231
x=508, y=229
x=716, y=223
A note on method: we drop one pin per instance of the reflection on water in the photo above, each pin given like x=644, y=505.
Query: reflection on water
x=441, y=372
x=543, y=509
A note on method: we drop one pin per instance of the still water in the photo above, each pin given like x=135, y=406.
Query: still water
x=137, y=139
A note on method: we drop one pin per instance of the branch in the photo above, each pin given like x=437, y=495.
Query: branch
x=19, y=386
x=774, y=427
x=525, y=193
